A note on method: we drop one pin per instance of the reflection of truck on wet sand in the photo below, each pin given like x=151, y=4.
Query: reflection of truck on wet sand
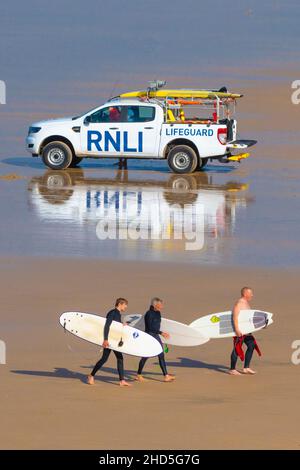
x=156, y=209
x=185, y=127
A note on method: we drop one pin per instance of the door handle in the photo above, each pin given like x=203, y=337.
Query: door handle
x=149, y=127
x=113, y=128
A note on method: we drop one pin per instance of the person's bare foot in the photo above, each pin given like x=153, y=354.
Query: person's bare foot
x=140, y=378
x=90, y=380
x=247, y=370
x=123, y=383
x=169, y=378
x=234, y=372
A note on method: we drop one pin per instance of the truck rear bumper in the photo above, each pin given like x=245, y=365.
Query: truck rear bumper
x=240, y=144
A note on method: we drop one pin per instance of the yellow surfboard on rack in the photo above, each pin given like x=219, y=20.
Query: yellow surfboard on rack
x=180, y=93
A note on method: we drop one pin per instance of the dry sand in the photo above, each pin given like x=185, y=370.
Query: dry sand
x=45, y=403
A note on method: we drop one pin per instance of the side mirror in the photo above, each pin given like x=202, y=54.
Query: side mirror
x=87, y=120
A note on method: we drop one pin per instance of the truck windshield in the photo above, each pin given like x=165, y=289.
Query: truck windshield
x=83, y=114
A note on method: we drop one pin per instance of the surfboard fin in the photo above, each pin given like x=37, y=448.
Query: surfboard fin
x=121, y=342
x=166, y=348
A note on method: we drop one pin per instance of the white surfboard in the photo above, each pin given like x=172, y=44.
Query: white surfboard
x=180, y=334
x=220, y=325
x=91, y=327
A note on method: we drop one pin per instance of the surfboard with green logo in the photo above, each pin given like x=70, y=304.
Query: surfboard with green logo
x=220, y=325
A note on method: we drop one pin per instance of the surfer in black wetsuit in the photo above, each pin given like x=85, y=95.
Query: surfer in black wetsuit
x=113, y=315
x=152, y=327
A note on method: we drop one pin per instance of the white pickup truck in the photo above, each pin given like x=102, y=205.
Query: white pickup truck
x=144, y=125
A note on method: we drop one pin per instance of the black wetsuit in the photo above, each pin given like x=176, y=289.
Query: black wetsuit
x=249, y=341
x=152, y=327
x=113, y=315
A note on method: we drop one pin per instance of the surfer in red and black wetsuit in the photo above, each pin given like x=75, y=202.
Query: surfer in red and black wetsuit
x=113, y=315
x=152, y=327
x=242, y=304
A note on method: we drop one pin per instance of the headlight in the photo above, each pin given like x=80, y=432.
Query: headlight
x=33, y=130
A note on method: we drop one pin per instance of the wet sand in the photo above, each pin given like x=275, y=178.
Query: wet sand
x=258, y=225
x=46, y=404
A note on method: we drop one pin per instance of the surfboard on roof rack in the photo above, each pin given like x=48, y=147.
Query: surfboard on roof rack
x=156, y=90
x=179, y=93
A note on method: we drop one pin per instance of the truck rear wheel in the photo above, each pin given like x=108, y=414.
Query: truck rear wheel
x=182, y=159
x=202, y=163
x=57, y=155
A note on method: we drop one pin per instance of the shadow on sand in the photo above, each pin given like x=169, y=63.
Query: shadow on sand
x=143, y=165
x=63, y=373
x=195, y=364
x=60, y=372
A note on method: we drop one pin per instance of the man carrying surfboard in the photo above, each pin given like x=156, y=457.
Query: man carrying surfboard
x=113, y=315
x=152, y=327
x=243, y=303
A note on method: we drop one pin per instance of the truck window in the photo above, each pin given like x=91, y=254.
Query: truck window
x=140, y=113
x=124, y=114
x=109, y=114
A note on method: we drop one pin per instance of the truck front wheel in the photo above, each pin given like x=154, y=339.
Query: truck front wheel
x=182, y=159
x=75, y=161
x=57, y=155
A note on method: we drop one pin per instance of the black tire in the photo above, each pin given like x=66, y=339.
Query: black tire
x=182, y=159
x=57, y=155
x=202, y=162
x=75, y=161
